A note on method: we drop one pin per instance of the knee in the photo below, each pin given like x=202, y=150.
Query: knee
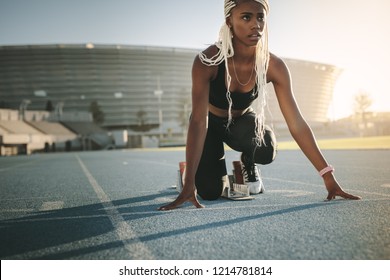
x=209, y=195
x=266, y=156
x=212, y=189
x=266, y=153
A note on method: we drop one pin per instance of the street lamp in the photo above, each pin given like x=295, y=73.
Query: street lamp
x=159, y=92
x=59, y=110
x=22, y=108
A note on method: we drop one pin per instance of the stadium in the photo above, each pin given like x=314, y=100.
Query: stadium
x=143, y=90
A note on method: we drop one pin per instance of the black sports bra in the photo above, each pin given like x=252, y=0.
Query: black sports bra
x=217, y=95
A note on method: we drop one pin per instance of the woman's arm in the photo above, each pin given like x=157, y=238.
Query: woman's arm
x=279, y=75
x=201, y=77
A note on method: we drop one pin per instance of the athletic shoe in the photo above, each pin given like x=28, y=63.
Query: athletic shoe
x=251, y=177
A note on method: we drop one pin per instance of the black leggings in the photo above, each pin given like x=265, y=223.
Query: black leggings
x=211, y=176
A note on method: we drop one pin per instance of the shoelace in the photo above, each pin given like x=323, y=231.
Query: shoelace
x=250, y=174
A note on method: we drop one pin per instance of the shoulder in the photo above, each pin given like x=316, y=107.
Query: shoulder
x=278, y=71
x=208, y=53
x=276, y=61
x=211, y=51
x=201, y=68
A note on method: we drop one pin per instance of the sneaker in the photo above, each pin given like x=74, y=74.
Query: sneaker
x=251, y=177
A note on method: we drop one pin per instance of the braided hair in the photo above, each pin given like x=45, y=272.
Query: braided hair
x=225, y=51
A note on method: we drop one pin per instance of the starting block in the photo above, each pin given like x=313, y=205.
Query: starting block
x=233, y=190
x=236, y=191
x=180, y=176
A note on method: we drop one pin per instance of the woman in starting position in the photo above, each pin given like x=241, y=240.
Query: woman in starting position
x=228, y=106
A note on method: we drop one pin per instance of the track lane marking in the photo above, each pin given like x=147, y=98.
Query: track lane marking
x=321, y=186
x=52, y=205
x=136, y=249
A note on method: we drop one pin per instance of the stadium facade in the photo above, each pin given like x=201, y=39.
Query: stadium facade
x=136, y=87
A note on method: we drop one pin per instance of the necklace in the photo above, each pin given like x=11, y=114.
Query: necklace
x=235, y=73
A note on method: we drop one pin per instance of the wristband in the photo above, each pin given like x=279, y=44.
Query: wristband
x=327, y=169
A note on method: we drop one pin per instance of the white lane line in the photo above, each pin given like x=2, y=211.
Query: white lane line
x=52, y=205
x=46, y=219
x=155, y=162
x=293, y=182
x=20, y=164
x=21, y=210
x=136, y=249
x=322, y=186
x=291, y=193
x=372, y=193
x=347, y=167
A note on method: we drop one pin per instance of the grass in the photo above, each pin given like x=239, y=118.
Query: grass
x=363, y=143
x=366, y=143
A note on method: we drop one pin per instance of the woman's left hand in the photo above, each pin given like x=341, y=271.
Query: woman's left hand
x=334, y=189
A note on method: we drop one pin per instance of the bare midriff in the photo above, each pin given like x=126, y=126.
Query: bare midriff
x=224, y=113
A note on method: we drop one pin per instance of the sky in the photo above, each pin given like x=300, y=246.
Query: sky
x=352, y=34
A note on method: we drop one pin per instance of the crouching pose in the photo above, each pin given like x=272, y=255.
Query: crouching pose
x=228, y=106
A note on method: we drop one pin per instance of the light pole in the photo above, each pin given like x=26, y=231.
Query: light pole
x=159, y=92
x=59, y=110
x=22, y=108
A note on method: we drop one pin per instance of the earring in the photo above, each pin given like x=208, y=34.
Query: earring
x=231, y=31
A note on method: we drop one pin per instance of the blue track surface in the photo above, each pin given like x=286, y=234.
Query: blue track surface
x=102, y=205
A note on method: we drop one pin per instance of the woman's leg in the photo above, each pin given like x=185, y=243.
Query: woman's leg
x=242, y=138
x=211, y=176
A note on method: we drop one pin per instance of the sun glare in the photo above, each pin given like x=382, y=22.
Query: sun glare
x=350, y=84
x=342, y=102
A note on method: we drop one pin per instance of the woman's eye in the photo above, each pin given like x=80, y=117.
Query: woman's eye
x=261, y=17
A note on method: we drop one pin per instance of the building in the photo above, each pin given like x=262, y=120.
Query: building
x=137, y=88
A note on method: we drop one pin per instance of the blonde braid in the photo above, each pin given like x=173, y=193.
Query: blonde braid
x=225, y=51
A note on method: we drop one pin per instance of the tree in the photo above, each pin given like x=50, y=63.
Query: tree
x=49, y=106
x=142, y=122
x=362, y=103
x=141, y=117
x=97, y=113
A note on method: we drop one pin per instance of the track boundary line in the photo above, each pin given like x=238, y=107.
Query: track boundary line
x=136, y=249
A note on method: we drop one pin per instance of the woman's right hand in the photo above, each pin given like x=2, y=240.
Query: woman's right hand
x=187, y=194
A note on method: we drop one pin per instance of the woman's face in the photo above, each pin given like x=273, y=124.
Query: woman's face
x=247, y=22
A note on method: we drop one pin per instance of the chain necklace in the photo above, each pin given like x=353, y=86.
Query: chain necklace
x=235, y=73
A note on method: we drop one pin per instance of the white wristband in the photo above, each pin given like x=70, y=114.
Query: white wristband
x=326, y=170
